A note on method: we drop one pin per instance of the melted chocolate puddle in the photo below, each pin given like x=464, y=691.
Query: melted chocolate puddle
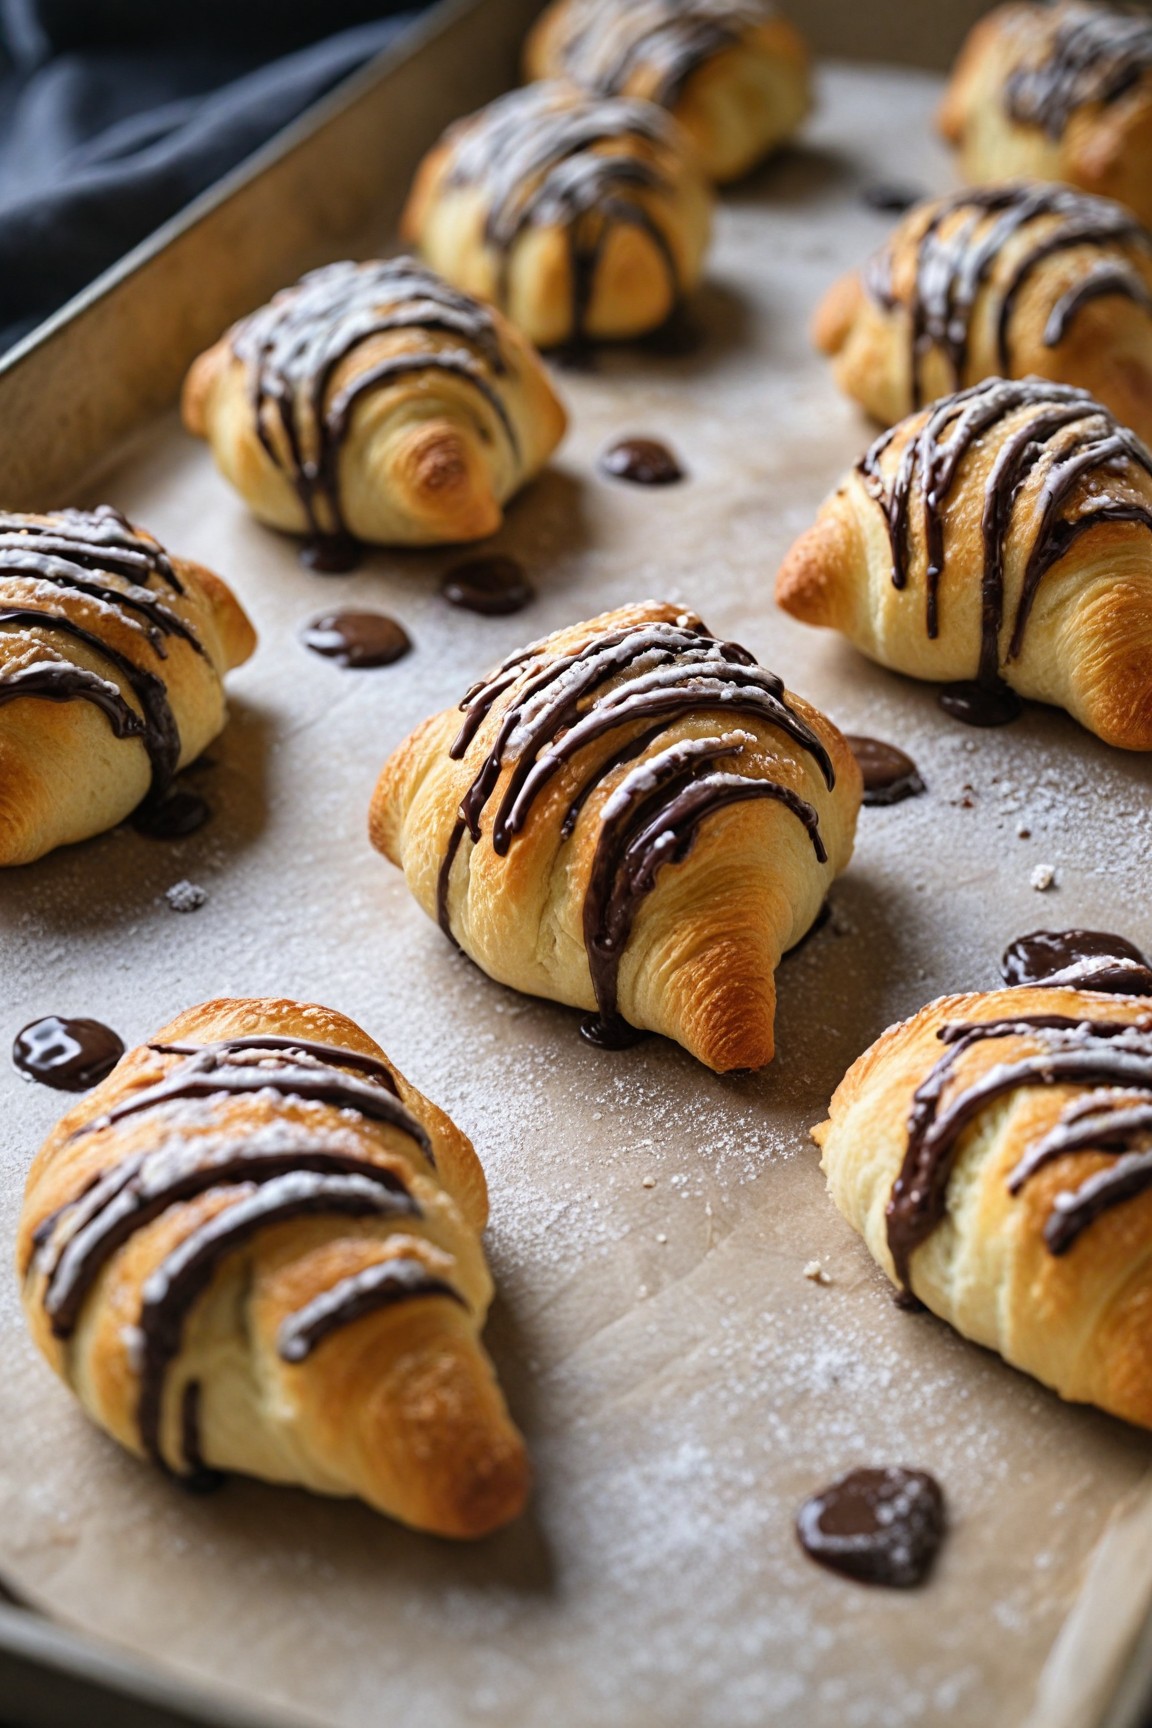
x=643, y=461
x=331, y=554
x=68, y=1055
x=890, y=775
x=357, y=640
x=173, y=817
x=878, y=1526
x=979, y=704
x=1083, y=959
x=493, y=586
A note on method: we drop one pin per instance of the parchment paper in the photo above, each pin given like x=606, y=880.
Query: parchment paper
x=682, y=1384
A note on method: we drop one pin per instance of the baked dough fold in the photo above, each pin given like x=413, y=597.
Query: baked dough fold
x=255, y=1248
x=734, y=73
x=631, y=817
x=112, y=660
x=995, y=1153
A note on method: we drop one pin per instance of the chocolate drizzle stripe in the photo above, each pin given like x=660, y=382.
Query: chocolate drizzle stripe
x=334, y=1054
x=210, y=1073
x=293, y=346
x=547, y=156
x=141, y=1189
x=381, y=1286
x=172, y=1290
x=1067, y=438
x=1093, y=56
x=60, y=681
x=650, y=675
x=1067, y=1050
x=957, y=257
x=608, y=42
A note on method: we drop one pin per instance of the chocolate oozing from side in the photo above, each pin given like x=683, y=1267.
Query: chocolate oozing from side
x=173, y=817
x=495, y=587
x=890, y=775
x=643, y=461
x=357, y=640
x=879, y=1526
x=1082, y=959
x=68, y=1055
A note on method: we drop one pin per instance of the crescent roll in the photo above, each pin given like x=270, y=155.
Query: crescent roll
x=112, y=660
x=1057, y=92
x=1016, y=281
x=374, y=402
x=734, y=73
x=995, y=1153
x=1001, y=538
x=256, y=1248
x=583, y=218
x=631, y=817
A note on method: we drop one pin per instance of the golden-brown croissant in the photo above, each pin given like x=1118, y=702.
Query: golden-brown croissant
x=631, y=817
x=999, y=541
x=373, y=402
x=255, y=1248
x=1017, y=281
x=112, y=656
x=733, y=72
x=582, y=217
x=1057, y=92
x=995, y=1152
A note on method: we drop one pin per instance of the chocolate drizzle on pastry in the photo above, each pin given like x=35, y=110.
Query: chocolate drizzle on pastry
x=644, y=678
x=610, y=40
x=380, y=1286
x=547, y=156
x=1082, y=457
x=1080, y=959
x=242, y=1183
x=1114, y=1118
x=99, y=556
x=294, y=346
x=956, y=260
x=1095, y=56
x=877, y=1526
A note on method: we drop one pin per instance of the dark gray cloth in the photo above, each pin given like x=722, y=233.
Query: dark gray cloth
x=115, y=113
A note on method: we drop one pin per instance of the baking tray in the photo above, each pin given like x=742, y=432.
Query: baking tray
x=681, y=1383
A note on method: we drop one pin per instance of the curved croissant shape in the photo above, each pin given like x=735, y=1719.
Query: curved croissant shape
x=255, y=1247
x=1016, y=281
x=995, y=1153
x=1002, y=536
x=583, y=218
x=631, y=817
x=734, y=73
x=112, y=656
x=1057, y=92
x=373, y=402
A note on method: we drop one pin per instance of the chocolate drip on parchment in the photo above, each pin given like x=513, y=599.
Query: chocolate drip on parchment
x=879, y=1526
x=651, y=676
x=1114, y=1058
x=610, y=40
x=268, y=1176
x=1080, y=453
x=1078, y=959
x=293, y=347
x=1096, y=55
x=957, y=256
x=548, y=157
x=98, y=555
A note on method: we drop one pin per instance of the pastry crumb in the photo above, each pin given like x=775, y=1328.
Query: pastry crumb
x=186, y=896
x=661, y=1238
x=648, y=1182
x=1043, y=878
x=816, y=1273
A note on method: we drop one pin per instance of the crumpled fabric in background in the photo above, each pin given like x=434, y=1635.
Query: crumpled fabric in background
x=114, y=114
